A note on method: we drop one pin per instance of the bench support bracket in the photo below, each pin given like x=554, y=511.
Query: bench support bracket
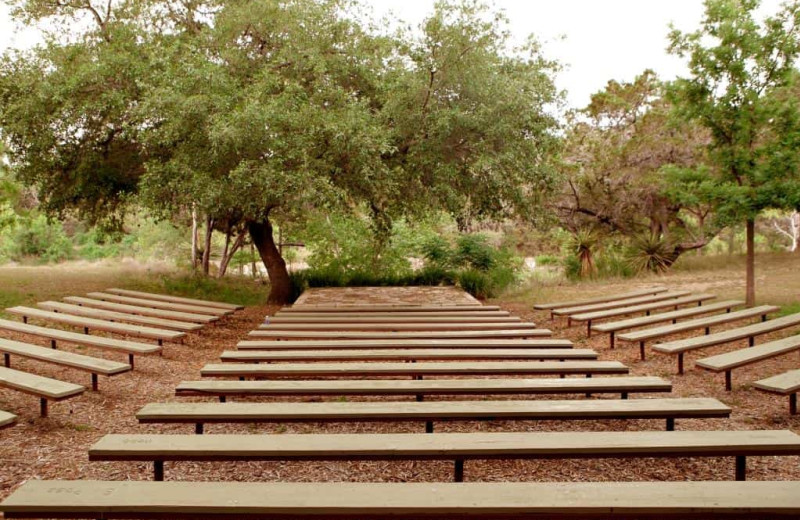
x=458, y=472
x=158, y=470
x=741, y=467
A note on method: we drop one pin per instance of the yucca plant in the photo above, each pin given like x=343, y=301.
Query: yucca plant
x=583, y=243
x=651, y=253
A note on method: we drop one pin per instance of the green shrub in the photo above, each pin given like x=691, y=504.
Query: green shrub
x=477, y=283
x=542, y=260
x=40, y=239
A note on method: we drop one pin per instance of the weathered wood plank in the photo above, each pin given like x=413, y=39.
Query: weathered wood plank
x=143, y=311
x=372, y=344
x=249, y=356
x=456, y=334
x=599, y=299
x=81, y=310
x=174, y=299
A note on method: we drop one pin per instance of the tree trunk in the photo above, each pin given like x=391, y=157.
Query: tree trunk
x=731, y=241
x=207, y=245
x=280, y=285
x=750, y=298
x=194, y=238
x=228, y=256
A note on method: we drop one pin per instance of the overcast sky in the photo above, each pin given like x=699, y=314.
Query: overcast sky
x=596, y=40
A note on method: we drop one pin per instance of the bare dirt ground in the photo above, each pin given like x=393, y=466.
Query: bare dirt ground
x=56, y=447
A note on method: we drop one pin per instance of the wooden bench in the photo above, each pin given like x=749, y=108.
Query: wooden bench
x=80, y=310
x=416, y=370
x=598, y=299
x=748, y=500
x=439, y=334
x=7, y=419
x=404, y=343
x=250, y=356
x=430, y=411
x=631, y=323
x=418, y=388
x=359, y=309
x=455, y=447
x=104, y=325
x=141, y=311
x=646, y=308
x=45, y=388
x=130, y=347
x=739, y=358
x=394, y=327
x=175, y=299
x=680, y=347
x=787, y=383
x=642, y=336
x=582, y=309
x=342, y=320
x=95, y=366
x=384, y=314
x=155, y=304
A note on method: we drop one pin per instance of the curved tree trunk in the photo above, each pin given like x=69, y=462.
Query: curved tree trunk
x=280, y=286
x=750, y=295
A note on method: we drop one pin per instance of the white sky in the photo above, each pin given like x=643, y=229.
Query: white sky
x=596, y=40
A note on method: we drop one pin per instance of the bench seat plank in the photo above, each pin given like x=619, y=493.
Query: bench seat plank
x=405, y=354
x=671, y=295
x=175, y=299
x=81, y=310
x=92, y=323
x=341, y=320
x=599, y=299
x=404, y=343
x=613, y=327
x=620, y=311
x=595, y=385
x=474, y=334
x=58, y=357
x=7, y=419
x=429, y=411
x=680, y=347
x=383, y=314
x=391, y=327
x=142, y=311
x=405, y=501
x=388, y=308
x=738, y=358
x=45, y=387
x=456, y=447
x=412, y=369
x=787, y=383
x=130, y=347
x=155, y=304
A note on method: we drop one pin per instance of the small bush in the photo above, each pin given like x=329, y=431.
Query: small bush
x=477, y=283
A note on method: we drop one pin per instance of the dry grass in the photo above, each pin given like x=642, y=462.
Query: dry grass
x=55, y=448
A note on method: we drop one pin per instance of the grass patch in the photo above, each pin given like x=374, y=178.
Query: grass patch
x=791, y=308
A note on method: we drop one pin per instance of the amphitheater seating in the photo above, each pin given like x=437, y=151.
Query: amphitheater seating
x=630, y=323
x=455, y=334
x=155, y=304
x=202, y=413
x=581, y=309
x=81, y=310
x=7, y=419
x=45, y=388
x=54, y=335
x=141, y=311
x=456, y=447
x=393, y=318
x=739, y=358
x=680, y=347
x=418, y=388
x=360, y=309
x=787, y=383
x=160, y=335
x=95, y=366
x=393, y=327
x=599, y=299
x=175, y=299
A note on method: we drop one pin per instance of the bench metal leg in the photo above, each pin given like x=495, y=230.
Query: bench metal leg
x=428, y=426
x=569, y=321
x=728, y=385
x=641, y=350
x=86, y=330
x=7, y=360
x=130, y=360
x=741, y=467
x=611, y=339
x=160, y=342
x=198, y=428
x=670, y=424
x=751, y=341
x=763, y=318
x=680, y=362
x=53, y=344
x=674, y=321
x=94, y=382
x=623, y=395
x=43, y=407
x=708, y=331
x=158, y=470
x=24, y=319
x=458, y=472
x=420, y=398
x=589, y=328
x=793, y=404
x=222, y=399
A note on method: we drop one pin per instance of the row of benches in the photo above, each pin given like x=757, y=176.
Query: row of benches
x=48, y=389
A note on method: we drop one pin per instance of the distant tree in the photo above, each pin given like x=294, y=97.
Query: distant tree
x=739, y=72
x=616, y=153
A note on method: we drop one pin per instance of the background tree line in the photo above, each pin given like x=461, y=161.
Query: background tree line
x=262, y=124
